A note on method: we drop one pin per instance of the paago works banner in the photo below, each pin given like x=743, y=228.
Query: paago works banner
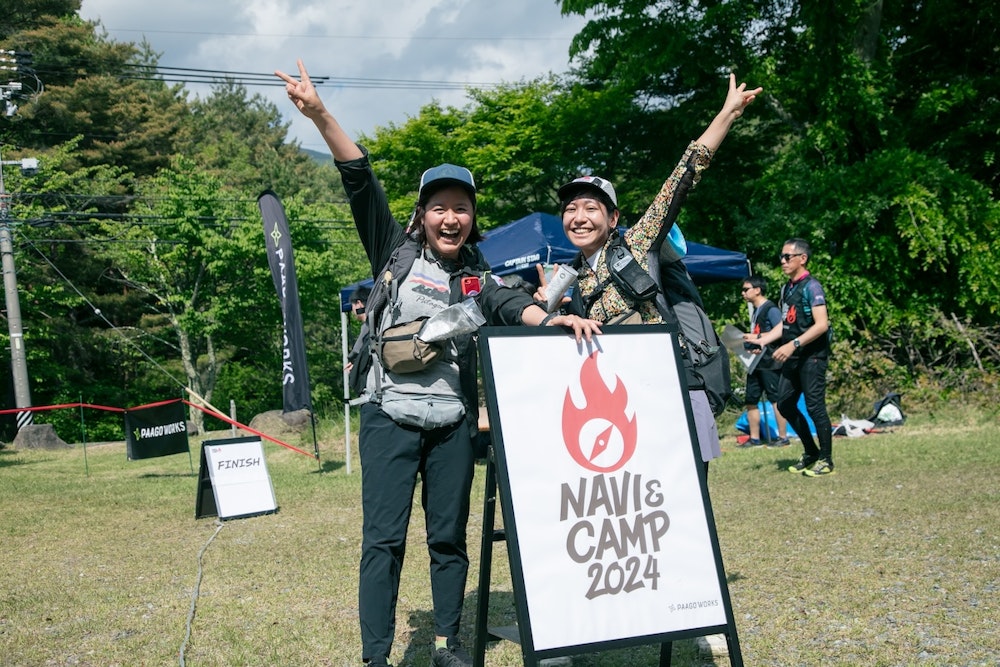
x=294, y=375
x=611, y=528
x=156, y=430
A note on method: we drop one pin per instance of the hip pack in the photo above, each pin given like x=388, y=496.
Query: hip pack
x=400, y=349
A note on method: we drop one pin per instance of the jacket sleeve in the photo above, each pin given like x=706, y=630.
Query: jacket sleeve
x=641, y=235
x=378, y=231
x=501, y=305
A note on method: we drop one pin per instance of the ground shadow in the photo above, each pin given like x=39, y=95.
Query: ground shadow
x=167, y=475
x=328, y=466
x=501, y=613
x=783, y=464
x=10, y=458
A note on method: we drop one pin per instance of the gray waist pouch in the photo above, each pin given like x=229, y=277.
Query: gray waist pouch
x=426, y=413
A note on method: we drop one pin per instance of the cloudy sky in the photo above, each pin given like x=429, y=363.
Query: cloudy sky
x=418, y=42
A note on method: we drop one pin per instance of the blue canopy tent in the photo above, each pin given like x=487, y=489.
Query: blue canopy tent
x=538, y=238
x=708, y=264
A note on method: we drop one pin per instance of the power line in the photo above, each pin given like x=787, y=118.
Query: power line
x=97, y=312
x=169, y=74
x=393, y=38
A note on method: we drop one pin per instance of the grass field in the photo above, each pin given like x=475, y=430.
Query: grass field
x=895, y=560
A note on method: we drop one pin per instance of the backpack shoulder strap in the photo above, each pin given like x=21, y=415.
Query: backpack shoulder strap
x=762, y=318
x=385, y=288
x=805, y=300
x=584, y=305
x=395, y=270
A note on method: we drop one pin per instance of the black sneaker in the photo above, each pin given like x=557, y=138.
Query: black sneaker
x=822, y=467
x=780, y=442
x=752, y=442
x=804, y=464
x=378, y=661
x=453, y=656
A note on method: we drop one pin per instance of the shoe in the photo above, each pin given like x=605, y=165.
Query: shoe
x=804, y=464
x=453, y=656
x=780, y=442
x=378, y=661
x=822, y=467
x=752, y=442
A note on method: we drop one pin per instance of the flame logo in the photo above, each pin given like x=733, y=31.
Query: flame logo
x=599, y=436
x=791, y=316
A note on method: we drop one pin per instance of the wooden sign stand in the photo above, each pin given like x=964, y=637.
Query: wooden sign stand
x=596, y=462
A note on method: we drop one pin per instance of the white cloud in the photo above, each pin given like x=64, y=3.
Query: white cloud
x=464, y=41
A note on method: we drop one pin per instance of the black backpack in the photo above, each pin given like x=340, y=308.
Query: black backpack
x=706, y=359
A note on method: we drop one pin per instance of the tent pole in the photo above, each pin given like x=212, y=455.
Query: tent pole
x=347, y=392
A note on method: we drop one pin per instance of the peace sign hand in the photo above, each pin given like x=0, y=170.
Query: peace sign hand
x=302, y=93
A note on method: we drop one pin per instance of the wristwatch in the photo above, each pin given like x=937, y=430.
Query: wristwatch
x=796, y=343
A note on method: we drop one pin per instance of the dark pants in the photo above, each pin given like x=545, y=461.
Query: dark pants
x=761, y=381
x=391, y=458
x=807, y=376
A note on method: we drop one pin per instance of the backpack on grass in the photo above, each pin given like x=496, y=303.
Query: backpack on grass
x=888, y=411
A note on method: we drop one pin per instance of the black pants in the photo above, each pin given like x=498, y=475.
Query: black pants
x=391, y=458
x=807, y=376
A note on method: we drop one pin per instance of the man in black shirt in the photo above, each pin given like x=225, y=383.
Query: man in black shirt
x=804, y=354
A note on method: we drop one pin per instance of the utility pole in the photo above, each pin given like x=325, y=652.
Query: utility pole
x=18, y=361
x=19, y=65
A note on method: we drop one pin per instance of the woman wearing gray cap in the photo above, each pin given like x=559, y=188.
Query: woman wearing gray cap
x=590, y=219
x=420, y=418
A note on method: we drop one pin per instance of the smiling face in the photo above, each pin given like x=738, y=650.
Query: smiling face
x=587, y=223
x=448, y=218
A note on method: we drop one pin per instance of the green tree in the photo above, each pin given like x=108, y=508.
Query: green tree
x=241, y=139
x=27, y=14
x=99, y=90
x=522, y=141
x=72, y=350
x=191, y=257
x=875, y=140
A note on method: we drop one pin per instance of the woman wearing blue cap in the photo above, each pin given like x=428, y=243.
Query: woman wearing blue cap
x=419, y=420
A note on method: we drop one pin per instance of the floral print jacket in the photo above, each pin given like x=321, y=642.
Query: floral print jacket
x=639, y=237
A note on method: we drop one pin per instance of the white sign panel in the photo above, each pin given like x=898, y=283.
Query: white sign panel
x=610, y=520
x=732, y=338
x=240, y=480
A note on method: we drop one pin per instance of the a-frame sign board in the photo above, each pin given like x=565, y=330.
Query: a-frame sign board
x=233, y=480
x=607, y=519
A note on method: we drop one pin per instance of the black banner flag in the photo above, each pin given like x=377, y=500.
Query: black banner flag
x=294, y=375
x=155, y=430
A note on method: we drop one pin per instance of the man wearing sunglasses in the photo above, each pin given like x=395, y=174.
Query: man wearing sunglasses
x=804, y=354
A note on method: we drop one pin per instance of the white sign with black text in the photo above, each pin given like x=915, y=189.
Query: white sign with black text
x=240, y=479
x=612, y=528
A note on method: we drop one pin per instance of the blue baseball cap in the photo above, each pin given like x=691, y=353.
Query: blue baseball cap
x=444, y=175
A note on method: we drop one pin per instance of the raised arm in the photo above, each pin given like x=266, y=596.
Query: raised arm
x=303, y=94
x=736, y=101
